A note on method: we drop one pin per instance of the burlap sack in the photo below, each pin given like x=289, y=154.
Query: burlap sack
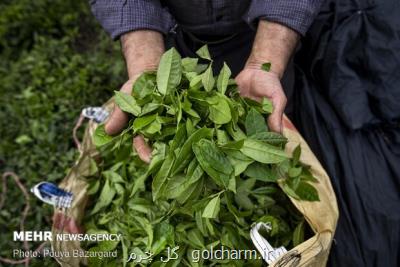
x=321, y=216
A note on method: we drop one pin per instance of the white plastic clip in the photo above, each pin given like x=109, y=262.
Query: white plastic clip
x=268, y=253
x=52, y=194
x=98, y=114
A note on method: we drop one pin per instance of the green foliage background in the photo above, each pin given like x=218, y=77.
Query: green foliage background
x=54, y=60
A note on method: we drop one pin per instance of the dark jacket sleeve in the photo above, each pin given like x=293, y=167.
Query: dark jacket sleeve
x=295, y=14
x=120, y=16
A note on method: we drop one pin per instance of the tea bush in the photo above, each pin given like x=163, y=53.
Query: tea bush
x=54, y=60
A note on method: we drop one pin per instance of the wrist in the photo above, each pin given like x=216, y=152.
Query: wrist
x=256, y=64
x=142, y=50
x=136, y=71
x=274, y=43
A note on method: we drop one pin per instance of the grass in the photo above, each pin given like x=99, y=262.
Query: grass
x=54, y=60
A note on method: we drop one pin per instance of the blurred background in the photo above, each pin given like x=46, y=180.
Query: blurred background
x=54, y=60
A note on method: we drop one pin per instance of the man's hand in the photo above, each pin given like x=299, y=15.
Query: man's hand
x=142, y=51
x=118, y=119
x=255, y=83
x=273, y=43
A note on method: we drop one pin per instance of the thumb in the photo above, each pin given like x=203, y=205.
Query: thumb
x=116, y=122
x=142, y=148
x=119, y=118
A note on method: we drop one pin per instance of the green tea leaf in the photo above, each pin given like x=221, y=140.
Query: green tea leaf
x=266, y=66
x=200, y=223
x=284, y=166
x=100, y=137
x=161, y=177
x=144, y=85
x=153, y=127
x=203, y=52
x=305, y=191
x=93, y=187
x=262, y=152
x=223, y=79
x=232, y=184
x=220, y=112
x=196, y=82
x=207, y=79
x=201, y=68
x=142, y=122
x=307, y=176
x=158, y=156
x=148, y=108
x=194, y=175
x=213, y=162
x=267, y=105
x=106, y=196
x=261, y=172
x=243, y=191
x=195, y=238
x=212, y=208
x=113, y=177
x=296, y=155
x=294, y=171
x=270, y=138
x=127, y=103
x=222, y=137
x=124, y=252
x=255, y=123
x=190, y=75
x=187, y=107
x=244, y=201
x=228, y=197
x=107, y=245
x=139, y=204
x=287, y=188
x=179, y=138
x=185, y=155
x=298, y=234
x=192, y=191
x=169, y=71
x=239, y=161
x=163, y=236
x=189, y=64
x=174, y=188
x=235, y=132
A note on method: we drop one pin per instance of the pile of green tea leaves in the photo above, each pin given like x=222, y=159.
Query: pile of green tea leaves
x=216, y=169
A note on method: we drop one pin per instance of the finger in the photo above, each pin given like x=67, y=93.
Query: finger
x=116, y=122
x=275, y=119
x=142, y=148
x=242, y=86
x=118, y=118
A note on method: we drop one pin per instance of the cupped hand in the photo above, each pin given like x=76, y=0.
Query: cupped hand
x=118, y=120
x=256, y=83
